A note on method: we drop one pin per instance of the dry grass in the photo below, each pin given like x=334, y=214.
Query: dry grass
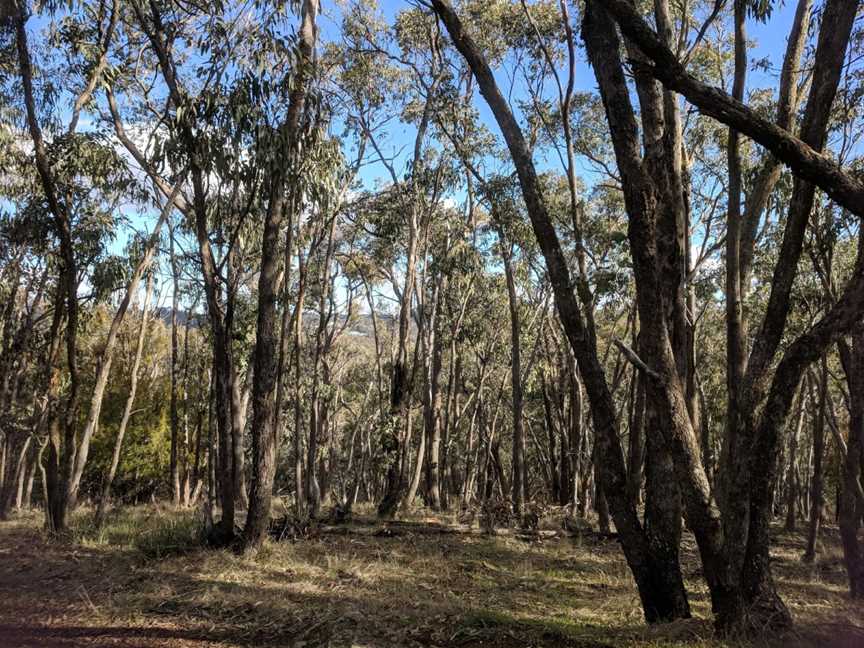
x=360, y=590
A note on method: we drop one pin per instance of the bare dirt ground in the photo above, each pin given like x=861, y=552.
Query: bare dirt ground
x=142, y=582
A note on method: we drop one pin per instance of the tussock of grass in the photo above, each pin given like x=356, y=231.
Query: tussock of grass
x=170, y=537
x=155, y=532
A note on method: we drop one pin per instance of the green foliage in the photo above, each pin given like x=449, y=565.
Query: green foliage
x=146, y=448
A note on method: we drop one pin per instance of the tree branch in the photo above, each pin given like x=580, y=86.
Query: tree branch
x=845, y=189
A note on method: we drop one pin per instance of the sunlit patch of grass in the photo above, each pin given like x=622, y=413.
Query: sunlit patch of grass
x=119, y=530
x=155, y=532
x=170, y=537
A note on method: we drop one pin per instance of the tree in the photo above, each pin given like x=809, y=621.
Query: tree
x=264, y=432
x=661, y=600
x=104, y=500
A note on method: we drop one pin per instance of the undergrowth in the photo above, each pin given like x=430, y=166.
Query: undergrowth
x=155, y=532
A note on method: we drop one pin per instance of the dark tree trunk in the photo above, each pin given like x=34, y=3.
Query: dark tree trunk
x=663, y=511
x=851, y=506
x=391, y=441
x=658, y=603
x=518, y=456
x=744, y=595
x=816, y=496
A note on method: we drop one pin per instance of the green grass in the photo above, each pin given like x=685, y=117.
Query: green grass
x=154, y=532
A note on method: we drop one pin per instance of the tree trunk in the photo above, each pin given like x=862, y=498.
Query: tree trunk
x=299, y=481
x=392, y=437
x=816, y=497
x=792, y=474
x=127, y=410
x=432, y=408
x=174, y=418
x=219, y=313
x=658, y=603
x=518, y=493
x=317, y=406
x=851, y=502
x=62, y=454
x=15, y=447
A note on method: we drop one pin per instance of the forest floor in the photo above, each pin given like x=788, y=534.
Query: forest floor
x=143, y=582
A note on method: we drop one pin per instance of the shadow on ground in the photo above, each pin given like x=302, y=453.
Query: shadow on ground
x=360, y=590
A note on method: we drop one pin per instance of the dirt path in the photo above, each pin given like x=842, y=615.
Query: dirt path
x=52, y=593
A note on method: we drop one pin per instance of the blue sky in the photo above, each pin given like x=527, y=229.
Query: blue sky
x=767, y=39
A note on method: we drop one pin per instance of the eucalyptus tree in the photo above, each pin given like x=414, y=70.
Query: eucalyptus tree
x=217, y=122
x=289, y=146
x=325, y=271
x=743, y=596
x=82, y=180
x=661, y=588
x=27, y=281
x=26, y=286
x=370, y=77
x=441, y=228
x=458, y=127
x=104, y=499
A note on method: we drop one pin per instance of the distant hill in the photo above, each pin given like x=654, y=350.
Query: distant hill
x=362, y=324
x=164, y=314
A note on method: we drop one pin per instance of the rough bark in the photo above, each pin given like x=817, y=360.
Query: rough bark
x=754, y=604
x=736, y=352
x=756, y=440
x=851, y=506
x=664, y=388
x=658, y=602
